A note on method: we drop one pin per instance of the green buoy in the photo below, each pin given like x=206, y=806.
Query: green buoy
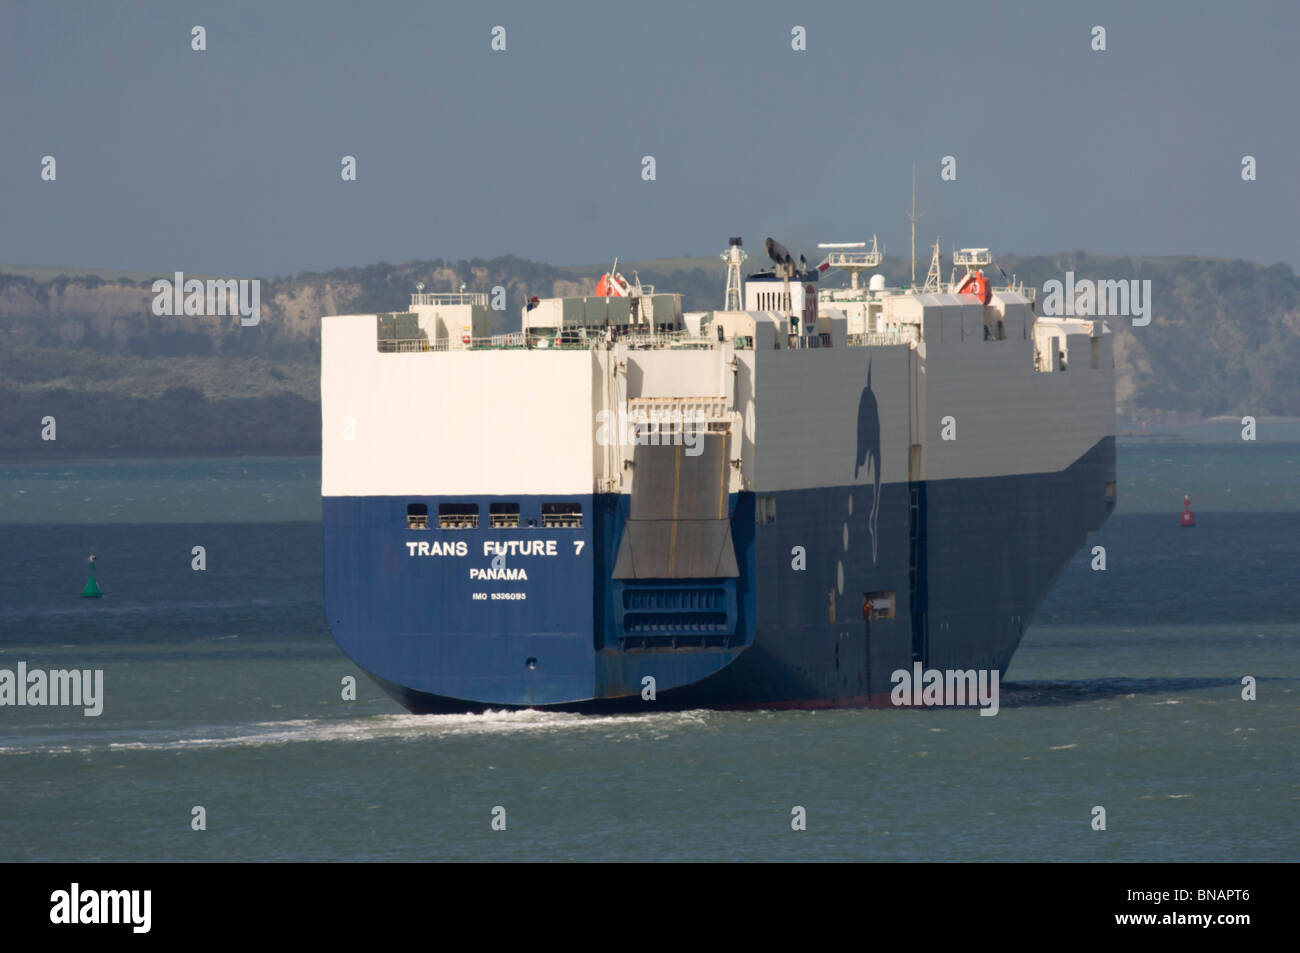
x=92, y=587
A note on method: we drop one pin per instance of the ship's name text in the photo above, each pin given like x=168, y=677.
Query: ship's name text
x=499, y=548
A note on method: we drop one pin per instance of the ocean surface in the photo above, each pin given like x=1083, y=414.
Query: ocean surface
x=222, y=690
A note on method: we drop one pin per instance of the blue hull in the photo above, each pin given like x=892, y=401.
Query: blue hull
x=967, y=563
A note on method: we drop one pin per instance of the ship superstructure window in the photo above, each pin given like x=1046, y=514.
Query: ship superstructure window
x=417, y=516
x=562, y=516
x=503, y=515
x=765, y=512
x=457, y=516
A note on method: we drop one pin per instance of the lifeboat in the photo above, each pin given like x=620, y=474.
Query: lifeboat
x=612, y=284
x=976, y=284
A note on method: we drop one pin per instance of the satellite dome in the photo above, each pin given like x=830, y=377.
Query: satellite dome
x=877, y=282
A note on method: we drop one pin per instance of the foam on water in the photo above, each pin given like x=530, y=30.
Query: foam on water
x=397, y=727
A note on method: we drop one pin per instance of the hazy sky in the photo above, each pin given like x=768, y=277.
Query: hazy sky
x=228, y=161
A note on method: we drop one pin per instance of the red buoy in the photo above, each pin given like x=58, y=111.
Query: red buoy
x=1187, y=519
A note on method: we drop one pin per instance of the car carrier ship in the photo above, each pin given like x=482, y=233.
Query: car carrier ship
x=775, y=504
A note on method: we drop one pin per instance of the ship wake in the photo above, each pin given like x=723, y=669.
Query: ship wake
x=648, y=726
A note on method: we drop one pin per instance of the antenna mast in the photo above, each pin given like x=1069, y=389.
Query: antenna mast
x=912, y=218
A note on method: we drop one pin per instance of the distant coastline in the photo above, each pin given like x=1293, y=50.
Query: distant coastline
x=84, y=347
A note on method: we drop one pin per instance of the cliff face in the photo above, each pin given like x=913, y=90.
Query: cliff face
x=1224, y=338
x=1131, y=366
x=115, y=316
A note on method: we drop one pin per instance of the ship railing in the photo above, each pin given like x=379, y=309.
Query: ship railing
x=885, y=338
x=853, y=259
x=446, y=300
x=402, y=345
x=645, y=339
x=561, y=521
x=682, y=340
x=577, y=340
x=459, y=521
x=1020, y=288
x=514, y=339
x=568, y=341
x=407, y=345
x=804, y=341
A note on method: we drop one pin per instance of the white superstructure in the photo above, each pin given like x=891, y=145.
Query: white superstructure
x=478, y=412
